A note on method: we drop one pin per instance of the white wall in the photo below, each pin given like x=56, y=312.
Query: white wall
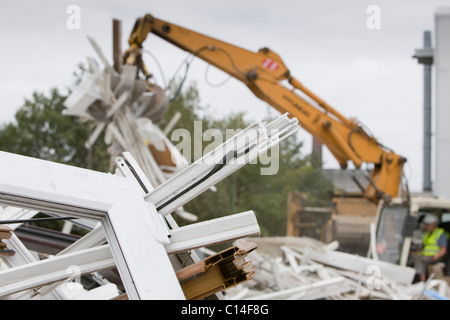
x=442, y=67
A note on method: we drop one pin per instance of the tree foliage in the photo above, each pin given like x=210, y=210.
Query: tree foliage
x=41, y=131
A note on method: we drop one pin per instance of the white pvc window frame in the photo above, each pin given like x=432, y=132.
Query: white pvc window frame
x=125, y=204
x=113, y=200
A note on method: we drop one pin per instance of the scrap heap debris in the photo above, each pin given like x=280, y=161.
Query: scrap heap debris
x=302, y=268
x=127, y=110
x=134, y=248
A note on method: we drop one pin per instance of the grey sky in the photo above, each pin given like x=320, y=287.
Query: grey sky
x=366, y=74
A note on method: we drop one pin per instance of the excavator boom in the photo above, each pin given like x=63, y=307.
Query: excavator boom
x=265, y=73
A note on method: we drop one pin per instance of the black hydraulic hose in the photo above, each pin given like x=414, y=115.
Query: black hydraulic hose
x=214, y=170
x=35, y=220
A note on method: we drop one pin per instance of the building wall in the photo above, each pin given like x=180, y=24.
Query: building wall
x=442, y=116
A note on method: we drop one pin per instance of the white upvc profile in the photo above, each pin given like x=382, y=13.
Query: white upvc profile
x=140, y=236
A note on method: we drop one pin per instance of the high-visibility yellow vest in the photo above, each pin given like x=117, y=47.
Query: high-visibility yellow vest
x=430, y=242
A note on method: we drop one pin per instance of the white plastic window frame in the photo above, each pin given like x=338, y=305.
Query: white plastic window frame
x=113, y=200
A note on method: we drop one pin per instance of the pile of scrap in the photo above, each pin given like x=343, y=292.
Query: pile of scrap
x=127, y=110
x=301, y=268
x=148, y=258
x=141, y=194
x=128, y=212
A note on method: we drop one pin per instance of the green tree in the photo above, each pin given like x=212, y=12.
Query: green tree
x=40, y=130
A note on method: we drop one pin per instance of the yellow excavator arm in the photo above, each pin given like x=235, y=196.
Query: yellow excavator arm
x=263, y=73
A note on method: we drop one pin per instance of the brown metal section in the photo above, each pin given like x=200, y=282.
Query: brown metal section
x=215, y=273
x=218, y=272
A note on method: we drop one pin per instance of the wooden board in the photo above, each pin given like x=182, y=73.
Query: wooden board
x=4, y=228
x=5, y=235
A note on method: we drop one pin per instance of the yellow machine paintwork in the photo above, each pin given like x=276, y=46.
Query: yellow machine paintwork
x=263, y=73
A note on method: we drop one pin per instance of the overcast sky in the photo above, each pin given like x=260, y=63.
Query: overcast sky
x=364, y=73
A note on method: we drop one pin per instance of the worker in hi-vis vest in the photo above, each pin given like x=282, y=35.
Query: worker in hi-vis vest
x=434, y=246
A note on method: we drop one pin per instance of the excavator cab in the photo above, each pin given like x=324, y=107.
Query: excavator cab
x=392, y=222
x=399, y=227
